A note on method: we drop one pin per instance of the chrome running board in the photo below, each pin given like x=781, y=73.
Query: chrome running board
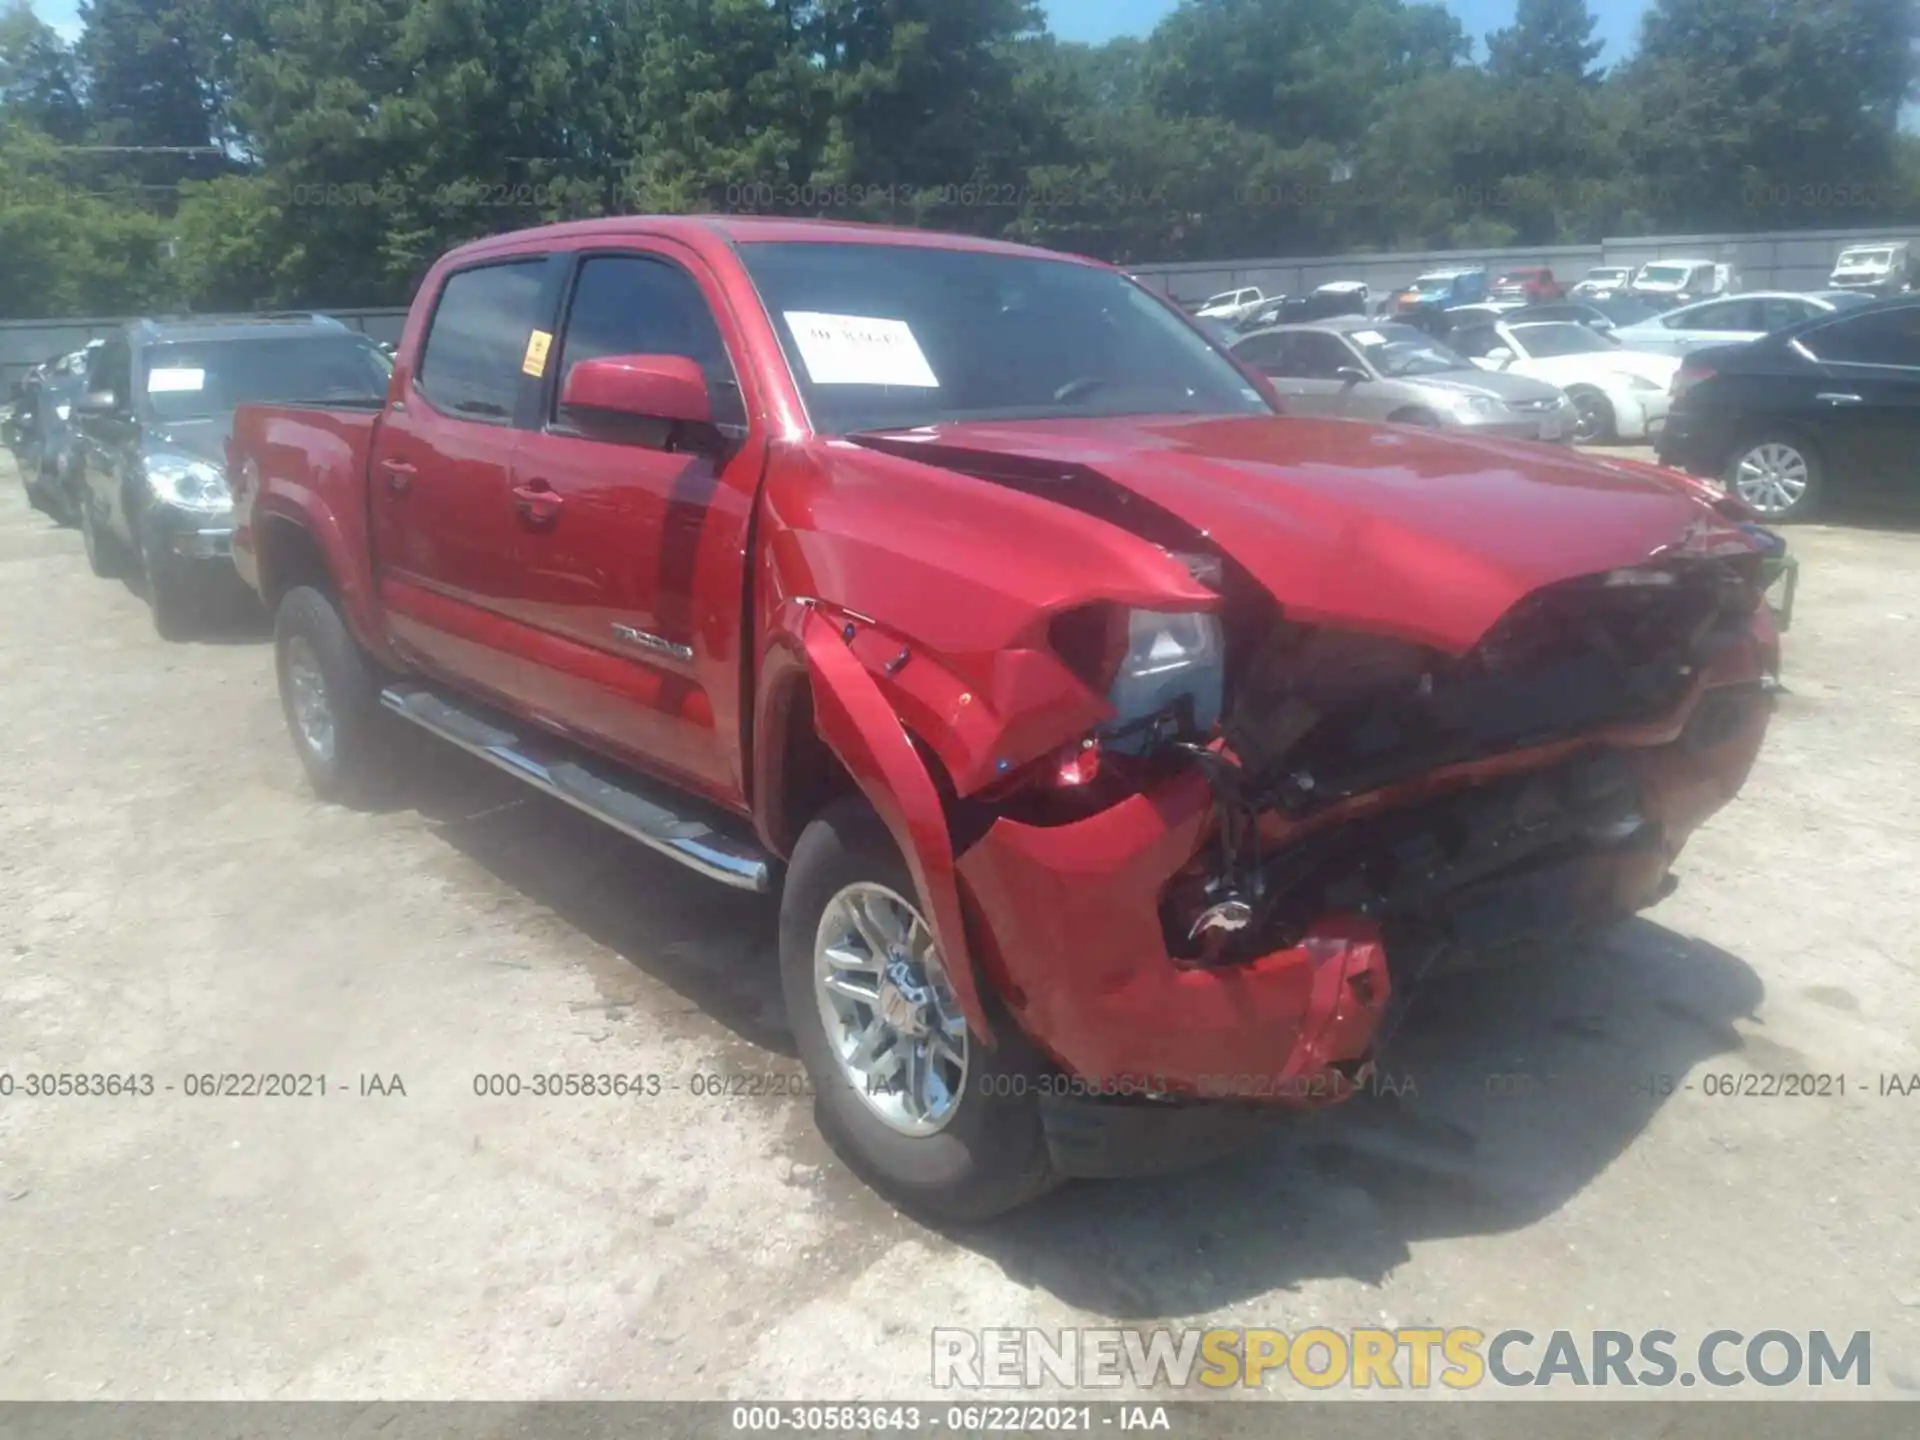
x=629, y=805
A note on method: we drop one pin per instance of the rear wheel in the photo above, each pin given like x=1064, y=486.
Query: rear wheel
x=328, y=695
x=905, y=1093
x=1778, y=475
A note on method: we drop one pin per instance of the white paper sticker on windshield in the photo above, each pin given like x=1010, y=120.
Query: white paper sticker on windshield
x=859, y=350
x=172, y=382
x=1369, y=337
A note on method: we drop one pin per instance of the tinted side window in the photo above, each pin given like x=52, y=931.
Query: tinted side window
x=634, y=305
x=1318, y=357
x=1475, y=341
x=112, y=369
x=1778, y=314
x=1885, y=337
x=1728, y=315
x=1260, y=351
x=470, y=365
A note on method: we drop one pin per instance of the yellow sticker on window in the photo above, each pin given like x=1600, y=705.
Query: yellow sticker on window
x=536, y=362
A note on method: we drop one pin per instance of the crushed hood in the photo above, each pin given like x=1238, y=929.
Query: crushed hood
x=1427, y=537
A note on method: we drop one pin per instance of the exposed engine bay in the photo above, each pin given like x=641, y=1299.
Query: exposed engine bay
x=1317, y=717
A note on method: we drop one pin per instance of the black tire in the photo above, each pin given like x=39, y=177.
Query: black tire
x=351, y=769
x=105, y=555
x=171, y=593
x=991, y=1157
x=1597, y=425
x=1812, y=499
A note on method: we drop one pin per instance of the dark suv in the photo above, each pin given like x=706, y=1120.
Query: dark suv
x=150, y=473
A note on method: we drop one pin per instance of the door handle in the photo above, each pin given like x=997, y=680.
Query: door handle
x=1832, y=397
x=537, y=502
x=399, y=475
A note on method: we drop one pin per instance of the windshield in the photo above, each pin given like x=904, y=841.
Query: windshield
x=1432, y=284
x=192, y=379
x=1608, y=274
x=1400, y=350
x=1560, y=338
x=1878, y=256
x=897, y=336
x=1666, y=274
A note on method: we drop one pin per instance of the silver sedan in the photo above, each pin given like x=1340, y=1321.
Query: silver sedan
x=1352, y=368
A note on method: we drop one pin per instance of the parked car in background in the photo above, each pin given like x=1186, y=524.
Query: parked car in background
x=1678, y=282
x=1731, y=321
x=41, y=434
x=1442, y=289
x=1603, y=313
x=1340, y=297
x=1230, y=305
x=1825, y=408
x=1527, y=284
x=150, y=480
x=1878, y=269
x=1101, y=728
x=1620, y=394
x=1602, y=281
x=1364, y=369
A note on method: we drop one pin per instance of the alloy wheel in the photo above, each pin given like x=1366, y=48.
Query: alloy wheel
x=307, y=698
x=1772, y=477
x=890, y=1015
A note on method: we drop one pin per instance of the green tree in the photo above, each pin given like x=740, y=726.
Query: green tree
x=1771, y=113
x=38, y=82
x=1548, y=39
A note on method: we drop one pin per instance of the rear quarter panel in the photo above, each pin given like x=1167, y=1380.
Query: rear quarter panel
x=306, y=467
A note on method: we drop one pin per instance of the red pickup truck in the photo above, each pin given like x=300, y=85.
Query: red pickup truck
x=1126, y=750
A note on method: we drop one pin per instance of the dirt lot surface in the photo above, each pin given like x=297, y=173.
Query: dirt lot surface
x=173, y=903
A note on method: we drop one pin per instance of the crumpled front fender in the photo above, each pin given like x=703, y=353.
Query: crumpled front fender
x=858, y=725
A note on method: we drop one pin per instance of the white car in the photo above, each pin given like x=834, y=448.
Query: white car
x=1230, y=305
x=1683, y=280
x=1620, y=394
x=1732, y=321
x=1884, y=269
x=1601, y=282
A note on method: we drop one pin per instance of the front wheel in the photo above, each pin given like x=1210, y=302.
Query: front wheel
x=905, y=1092
x=170, y=589
x=328, y=696
x=104, y=554
x=1595, y=422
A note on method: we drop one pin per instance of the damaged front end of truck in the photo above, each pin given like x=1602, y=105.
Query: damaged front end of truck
x=1299, y=795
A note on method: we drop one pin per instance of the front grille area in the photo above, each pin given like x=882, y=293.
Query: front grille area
x=1320, y=716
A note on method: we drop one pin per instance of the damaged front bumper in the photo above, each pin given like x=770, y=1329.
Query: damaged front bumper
x=1071, y=932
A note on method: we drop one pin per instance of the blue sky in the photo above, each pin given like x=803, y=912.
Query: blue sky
x=1104, y=19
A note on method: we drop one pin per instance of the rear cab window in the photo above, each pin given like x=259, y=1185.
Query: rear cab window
x=477, y=340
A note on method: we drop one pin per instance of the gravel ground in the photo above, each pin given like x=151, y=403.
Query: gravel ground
x=174, y=902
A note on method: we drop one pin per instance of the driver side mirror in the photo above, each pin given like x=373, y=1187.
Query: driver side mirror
x=1499, y=357
x=1352, y=375
x=640, y=387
